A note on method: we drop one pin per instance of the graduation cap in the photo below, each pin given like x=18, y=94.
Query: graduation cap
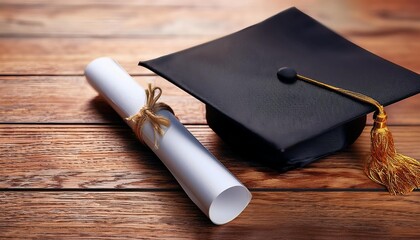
x=289, y=91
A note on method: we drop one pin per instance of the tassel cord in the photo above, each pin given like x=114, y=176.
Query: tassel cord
x=356, y=95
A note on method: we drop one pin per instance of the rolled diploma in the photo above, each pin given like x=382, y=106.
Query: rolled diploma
x=205, y=180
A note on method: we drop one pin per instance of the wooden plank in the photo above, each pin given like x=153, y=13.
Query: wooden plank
x=189, y=3
x=388, y=33
x=37, y=56
x=34, y=19
x=59, y=99
x=65, y=156
x=171, y=215
x=23, y=18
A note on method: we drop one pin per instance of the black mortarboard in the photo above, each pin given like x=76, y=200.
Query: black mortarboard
x=290, y=125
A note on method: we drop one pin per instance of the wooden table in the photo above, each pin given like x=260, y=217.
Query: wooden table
x=70, y=168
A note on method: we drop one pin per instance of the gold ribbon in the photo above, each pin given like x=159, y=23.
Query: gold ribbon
x=148, y=113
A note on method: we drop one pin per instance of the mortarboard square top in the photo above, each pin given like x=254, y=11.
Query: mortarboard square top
x=288, y=124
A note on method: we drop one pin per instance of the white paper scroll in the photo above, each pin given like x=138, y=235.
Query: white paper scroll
x=205, y=180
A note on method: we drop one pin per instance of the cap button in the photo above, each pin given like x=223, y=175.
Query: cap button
x=287, y=75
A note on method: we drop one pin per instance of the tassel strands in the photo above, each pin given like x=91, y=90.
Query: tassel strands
x=399, y=173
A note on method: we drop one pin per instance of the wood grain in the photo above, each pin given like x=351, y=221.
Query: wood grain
x=56, y=99
x=70, y=168
x=85, y=19
x=22, y=18
x=69, y=56
x=65, y=156
x=146, y=215
x=70, y=99
x=61, y=56
x=373, y=26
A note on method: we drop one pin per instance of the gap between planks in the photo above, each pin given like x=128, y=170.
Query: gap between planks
x=66, y=156
x=168, y=215
x=121, y=190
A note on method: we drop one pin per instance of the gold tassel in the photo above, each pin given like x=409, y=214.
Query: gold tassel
x=148, y=113
x=398, y=173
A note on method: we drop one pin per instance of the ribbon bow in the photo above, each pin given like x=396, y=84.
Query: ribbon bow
x=148, y=113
